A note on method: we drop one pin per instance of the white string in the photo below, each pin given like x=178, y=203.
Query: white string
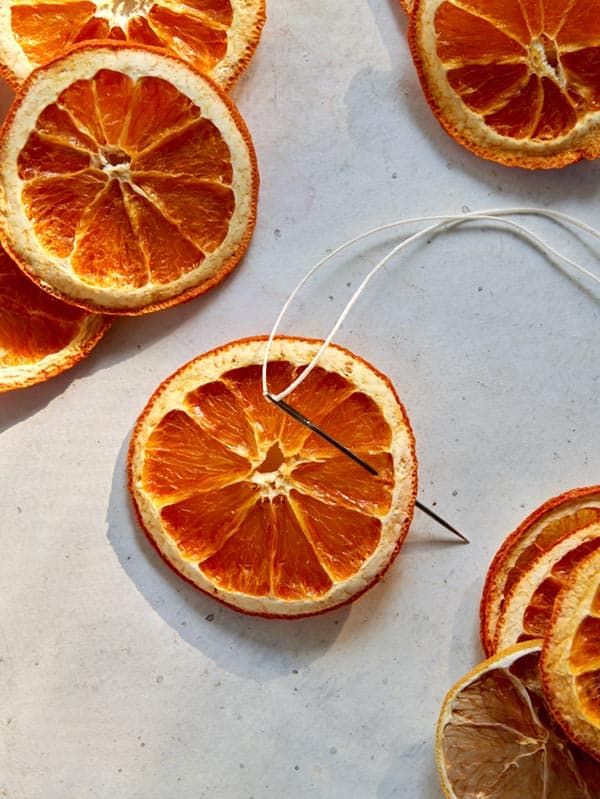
x=443, y=223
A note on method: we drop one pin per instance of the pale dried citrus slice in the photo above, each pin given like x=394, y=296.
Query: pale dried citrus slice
x=496, y=739
x=129, y=180
x=528, y=606
x=516, y=81
x=247, y=504
x=40, y=336
x=539, y=532
x=217, y=37
x=571, y=657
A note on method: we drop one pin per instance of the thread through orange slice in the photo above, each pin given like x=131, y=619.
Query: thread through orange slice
x=129, y=180
x=217, y=37
x=249, y=505
x=39, y=335
x=516, y=81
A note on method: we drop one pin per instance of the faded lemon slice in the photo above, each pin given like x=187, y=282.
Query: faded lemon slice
x=40, y=336
x=247, y=504
x=542, y=529
x=515, y=82
x=528, y=607
x=128, y=180
x=217, y=37
x=496, y=739
x=571, y=657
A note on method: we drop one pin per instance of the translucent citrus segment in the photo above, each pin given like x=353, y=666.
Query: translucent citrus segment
x=154, y=174
x=596, y=603
x=225, y=490
x=357, y=423
x=40, y=336
x=297, y=571
x=58, y=203
x=588, y=692
x=182, y=458
x=223, y=413
x=343, y=482
x=247, y=383
x=546, y=526
x=516, y=82
x=243, y=563
x=45, y=30
x=220, y=513
x=571, y=657
x=496, y=740
x=585, y=650
x=217, y=38
x=528, y=608
x=343, y=539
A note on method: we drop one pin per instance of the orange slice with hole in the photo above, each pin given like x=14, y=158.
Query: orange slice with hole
x=543, y=528
x=497, y=740
x=571, y=657
x=515, y=81
x=217, y=37
x=252, y=508
x=528, y=607
x=40, y=336
x=129, y=180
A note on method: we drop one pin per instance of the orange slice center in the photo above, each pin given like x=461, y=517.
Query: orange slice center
x=251, y=496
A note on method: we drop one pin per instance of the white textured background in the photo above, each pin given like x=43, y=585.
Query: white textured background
x=119, y=681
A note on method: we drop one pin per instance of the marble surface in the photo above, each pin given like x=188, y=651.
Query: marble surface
x=116, y=678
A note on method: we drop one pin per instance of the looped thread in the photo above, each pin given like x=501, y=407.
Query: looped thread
x=443, y=223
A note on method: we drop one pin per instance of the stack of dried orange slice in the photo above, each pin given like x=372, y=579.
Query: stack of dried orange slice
x=515, y=81
x=128, y=179
x=526, y=722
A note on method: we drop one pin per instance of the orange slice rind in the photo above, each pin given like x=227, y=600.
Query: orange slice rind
x=128, y=180
x=527, y=610
x=570, y=661
x=252, y=508
x=40, y=337
x=515, y=82
x=217, y=37
x=496, y=740
x=542, y=529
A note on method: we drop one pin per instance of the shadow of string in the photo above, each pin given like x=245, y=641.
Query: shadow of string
x=495, y=218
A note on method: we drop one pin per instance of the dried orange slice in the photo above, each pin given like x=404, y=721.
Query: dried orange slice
x=247, y=504
x=528, y=607
x=129, y=180
x=217, y=37
x=496, y=739
x=542, y=529
x=571, y=658
x=515, y=81
x=39, y=335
